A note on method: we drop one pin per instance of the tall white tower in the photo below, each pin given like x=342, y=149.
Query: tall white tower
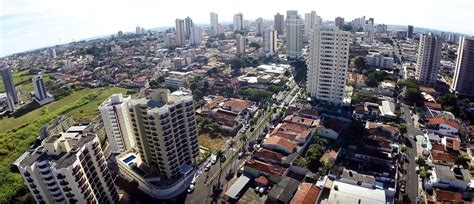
x=327, y=64
x=240, y=45
x=259, y=26
x=214, y=24
x=238, y=22
x=188, y=25
x=270, y=41
x=429, y=59
x=116, y=117
x=463, y=81
x=294, y=34
x=180, y=32
x=196, y=35
x=39, y=88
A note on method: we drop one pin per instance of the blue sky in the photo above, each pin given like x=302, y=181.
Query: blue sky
x=30, y=24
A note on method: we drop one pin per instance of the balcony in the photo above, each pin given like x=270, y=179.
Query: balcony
x=67, y=189
x=63, y=183
x=29, y=180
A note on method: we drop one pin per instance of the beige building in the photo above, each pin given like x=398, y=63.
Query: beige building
x=180, y=33
x=429, y=59
x=165, y=130
x=240, y=45
x=463, y=81
x=294, y=34
x=68, y=168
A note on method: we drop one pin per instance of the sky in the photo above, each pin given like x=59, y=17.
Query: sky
x=31, y=24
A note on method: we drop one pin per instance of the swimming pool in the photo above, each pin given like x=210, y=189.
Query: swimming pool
x=129, y=159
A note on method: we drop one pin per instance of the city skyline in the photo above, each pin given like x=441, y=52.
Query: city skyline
x=26, y=25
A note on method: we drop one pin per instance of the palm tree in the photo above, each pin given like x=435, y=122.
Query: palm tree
x=244, y=139
x=220, y=158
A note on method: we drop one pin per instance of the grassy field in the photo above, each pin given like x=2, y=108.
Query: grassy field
x=213, y=144
x=16, y=134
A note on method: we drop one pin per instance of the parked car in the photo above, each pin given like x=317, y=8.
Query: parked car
x=191, y=188
x=208, y=166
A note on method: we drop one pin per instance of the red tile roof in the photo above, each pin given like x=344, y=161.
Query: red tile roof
x=307, y=194
x=434, y=106
x=292, y=127
x=288, y=145
x=443, y=157
x=262, y=180
x=238, y=103
x=213, y=103
x=334, y=124
x=438, y=120
x=308, y=122
x=448, y=196
x=267, y=154
x=266, y=167
x=286, y=135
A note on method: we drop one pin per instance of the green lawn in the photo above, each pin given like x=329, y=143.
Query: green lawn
x=16, y=134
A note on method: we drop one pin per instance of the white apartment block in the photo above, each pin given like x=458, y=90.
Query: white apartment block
x=259, y=26
x=68, y=168
x=294, y=34
x=215, y=24
x=463, y=81
x=180, y=33
x=327, y=64
x=379, y=60
x=270, y=44
x=176, y=79
x=117, y=125
x=196, y=35
x=429, y=59
x=311, y=20
x=165, y=129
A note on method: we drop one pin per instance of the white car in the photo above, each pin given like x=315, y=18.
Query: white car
x=208, y=166
x=193, y=182
x=191, y=188
x=213, y=159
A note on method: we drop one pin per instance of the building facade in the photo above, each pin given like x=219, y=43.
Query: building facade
x=279, y=23
x=310, y=21
x=327, y=64
x=410, y=31
x=259, y=26
x=214, y=23
x=294, y=34
x=164, y=125
x=117, y=124
x=379, y=60
x=68, y=168
x=188, y=25
x=463, y=81
x=240, y=45
x=180, y=32
x=238, y=22
x=429, y=59
x=339, y=22
x=8, y=83
x=196, y=35
x=270, y=41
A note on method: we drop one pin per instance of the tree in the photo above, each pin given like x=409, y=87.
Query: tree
x=360, y=63
x=347, y=27
x=220, y=158
x=300, y=161
x=301, y=71
x=255, y=45
x=402, y=128
x=421, y=161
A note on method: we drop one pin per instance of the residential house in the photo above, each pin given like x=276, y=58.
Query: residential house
x=443, y=126
x=331, y=128
x=257, y=168
x=307, y=193
x=279, y=144
x=284, y=191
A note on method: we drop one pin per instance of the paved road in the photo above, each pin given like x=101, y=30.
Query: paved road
x=411, y=176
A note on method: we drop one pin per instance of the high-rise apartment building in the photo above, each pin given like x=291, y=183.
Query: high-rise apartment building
x=259, y=26
x=410, y=31
x=180, y=32
x=327, y=64
x=279, y=23
x=214, y=24
x=52, y=53
x=428, y=59
x=240, y=45
x=339, y=22
x=68, y=168
x=463, y=81
x=310, y=21
x=8, y=83
x=270, y=41
x=188, y=25
x=117, y=124
x=41, y=95
x=165, y=129
x=238, y=22
x=196, y=35
x=294, y=34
